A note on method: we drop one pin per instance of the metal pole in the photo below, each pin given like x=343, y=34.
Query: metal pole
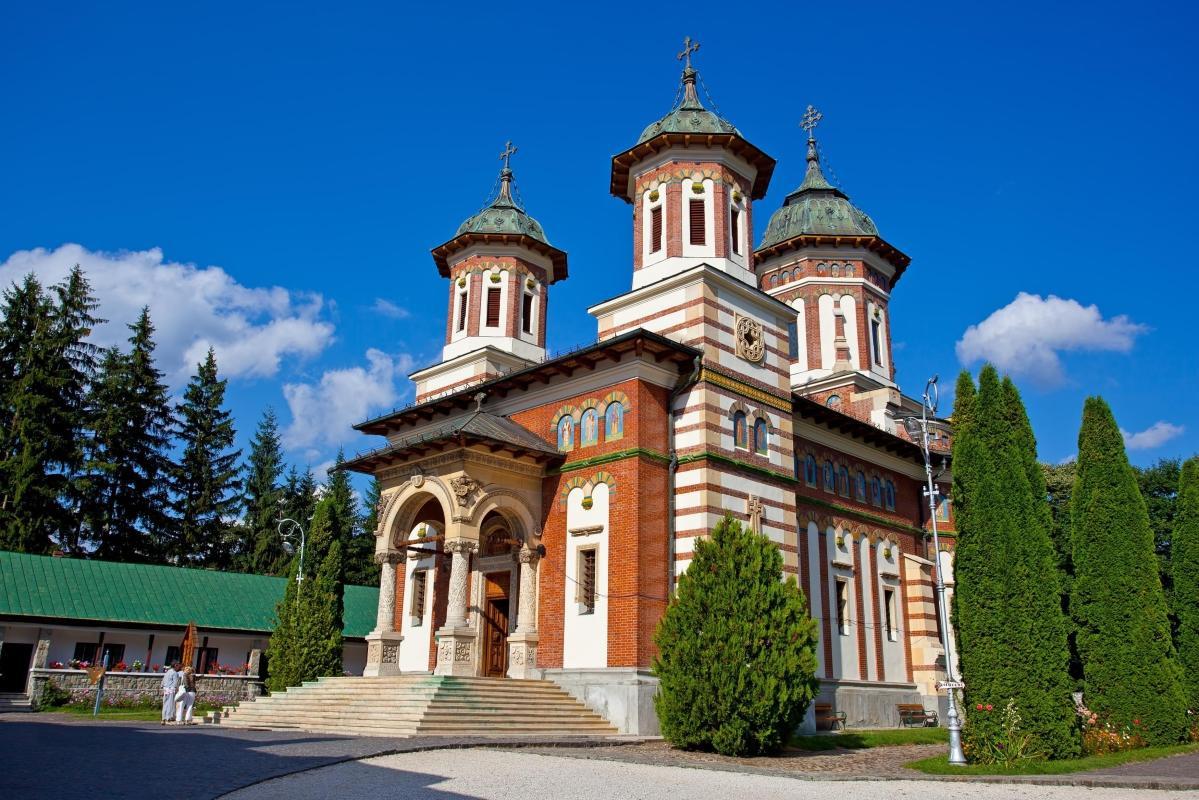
x=956, y=756
x=100, y=687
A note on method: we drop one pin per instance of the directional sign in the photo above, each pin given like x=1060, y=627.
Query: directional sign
x=950, y=685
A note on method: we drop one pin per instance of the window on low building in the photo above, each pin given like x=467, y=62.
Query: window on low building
x=587, y=581
x=206, y=660
x=85, y=651
x=889, y=611
x=420, y=580
x=173, y=655
x=842, y=606
x=114, y=652
x=761, y=445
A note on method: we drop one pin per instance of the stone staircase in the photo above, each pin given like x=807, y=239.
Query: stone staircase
x=420, y=705
x=14, y=701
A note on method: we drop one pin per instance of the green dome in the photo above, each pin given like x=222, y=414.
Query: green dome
x=816, y=208
x=504, y=215
x=689, y=116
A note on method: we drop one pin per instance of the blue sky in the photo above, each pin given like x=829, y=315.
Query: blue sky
x=271, y=177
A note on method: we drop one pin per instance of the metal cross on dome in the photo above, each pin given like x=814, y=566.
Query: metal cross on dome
x=811, y=118
x=689, y=47
x=509, y=151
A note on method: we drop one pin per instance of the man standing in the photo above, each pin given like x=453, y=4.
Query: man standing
x=170, y=683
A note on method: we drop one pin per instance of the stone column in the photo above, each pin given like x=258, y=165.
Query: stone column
x=383, y=643
x=455, y=640
x=522, y=645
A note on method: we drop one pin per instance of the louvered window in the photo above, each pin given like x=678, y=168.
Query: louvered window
x=493, y=308
x=462, y=311
x=696, y=209
x=420, y=581
x=735, y=228
x=655, y=229
x=526, y=314
x=587, y=581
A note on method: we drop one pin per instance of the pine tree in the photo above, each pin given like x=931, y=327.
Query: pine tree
x=358, y=543
x=361, y=567
x=736, y=648
x=205, y=481
x=1130, y=671
x=262, y=548
x=1185, y=568
x=299, y=496
x=1012, y=634
x=128, y=467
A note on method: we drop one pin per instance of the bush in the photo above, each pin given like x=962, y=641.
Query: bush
x=995, y=736
x=737, y=649
x=54, y=695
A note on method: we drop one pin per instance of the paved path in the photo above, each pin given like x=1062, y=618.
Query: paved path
x=515, y=775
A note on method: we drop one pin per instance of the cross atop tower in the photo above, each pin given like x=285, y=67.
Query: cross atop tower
x=811, y=118
x=509, y=151
x=689, y=47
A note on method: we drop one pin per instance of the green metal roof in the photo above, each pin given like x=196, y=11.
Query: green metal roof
x=689, y=116
x=145, y=594
x=503, y=215
x=816, y=208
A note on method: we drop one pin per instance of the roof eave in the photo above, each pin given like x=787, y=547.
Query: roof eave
x=893, y=255
x=443, y=252
x=622, y=163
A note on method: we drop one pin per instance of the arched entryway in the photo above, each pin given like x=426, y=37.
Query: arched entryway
x=498, y=591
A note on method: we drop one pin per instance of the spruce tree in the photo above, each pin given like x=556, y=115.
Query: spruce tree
x=205, y=480
x=1130, y=670
x=1185, y=568
x=262, y=548
x=358, y=543
x=736, y=648
x=128, y=466
x=361, y=567
x=1012, y=633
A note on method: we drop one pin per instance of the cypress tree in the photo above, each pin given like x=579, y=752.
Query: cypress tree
x=1012, y=634
x=1185, y=568
x=205, y=480
x=736, y=648
x=1130, y=671
x=281, y=654
x=262, y=549
x=128, y=466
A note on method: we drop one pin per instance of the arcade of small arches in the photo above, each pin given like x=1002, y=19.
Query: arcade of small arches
x=458, y=580
x=837, y=479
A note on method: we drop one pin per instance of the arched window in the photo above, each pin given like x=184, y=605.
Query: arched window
x=761, y=445
x=830, y=477
x=889, y=495
x=859, y=486
x=809, y=470
x=843, y=481
x=566, y=433
x=589, y=427
x=876, y=492
x=740, y=431
x=833, y=401
x=614, y=421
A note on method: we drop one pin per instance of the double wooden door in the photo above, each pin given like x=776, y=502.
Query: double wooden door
x=495, y=625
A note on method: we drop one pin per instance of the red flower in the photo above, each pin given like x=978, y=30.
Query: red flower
x=1136, y=721
x=978, y=707
x=990, y=707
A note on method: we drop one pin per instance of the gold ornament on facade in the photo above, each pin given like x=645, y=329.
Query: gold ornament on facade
x=751, y=342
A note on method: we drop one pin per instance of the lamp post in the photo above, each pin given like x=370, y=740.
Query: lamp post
x=288, y=546
x=917, y=428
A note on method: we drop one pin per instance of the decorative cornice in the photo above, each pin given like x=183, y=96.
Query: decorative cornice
x=740, y=387
x=742, y=465
x=606, y=458
x=862, y=515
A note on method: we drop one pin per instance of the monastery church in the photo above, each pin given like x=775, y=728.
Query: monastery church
x=536, y=512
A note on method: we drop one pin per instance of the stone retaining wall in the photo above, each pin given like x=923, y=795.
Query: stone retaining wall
x=233, y=687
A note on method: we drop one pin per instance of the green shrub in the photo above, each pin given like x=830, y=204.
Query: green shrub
x=737, y=649
x=54, y=695
x=1185, y=567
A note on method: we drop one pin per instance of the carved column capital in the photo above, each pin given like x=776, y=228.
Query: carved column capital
x=391, y=558
x=527, y=555
x=462, y=546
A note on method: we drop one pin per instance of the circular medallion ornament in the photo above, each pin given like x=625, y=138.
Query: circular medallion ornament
x=751, y=344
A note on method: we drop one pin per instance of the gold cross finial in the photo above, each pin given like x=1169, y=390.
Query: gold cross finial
x=811, y=118
x=509, y=151
x=689, y=47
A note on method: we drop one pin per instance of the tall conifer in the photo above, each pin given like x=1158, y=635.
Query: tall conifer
x=1185, y=568
x=361, y=567
x=1130, y=670
x=262, y=548
x=205, y=481
x=1011, y=629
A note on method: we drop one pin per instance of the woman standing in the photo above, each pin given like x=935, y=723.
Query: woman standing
x=185, y=699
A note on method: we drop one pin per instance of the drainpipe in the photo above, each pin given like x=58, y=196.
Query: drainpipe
x=674, y=467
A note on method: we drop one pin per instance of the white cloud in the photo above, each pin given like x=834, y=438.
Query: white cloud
x=1155, y=435
x=322, y=413
x=1026, y=336
x=193, y=308
x=386, y=308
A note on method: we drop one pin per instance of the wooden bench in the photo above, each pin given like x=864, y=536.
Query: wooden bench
x=914, y=715
x=825, y=714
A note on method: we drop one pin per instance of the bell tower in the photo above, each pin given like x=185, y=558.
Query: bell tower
x=500, y=266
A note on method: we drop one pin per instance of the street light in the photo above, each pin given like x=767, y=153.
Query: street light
x=288, y=546
x=917, y=428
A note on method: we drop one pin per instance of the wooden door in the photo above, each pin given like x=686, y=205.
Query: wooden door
x=14, y=666
x=495, y=625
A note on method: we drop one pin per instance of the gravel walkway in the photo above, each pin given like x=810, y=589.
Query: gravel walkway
x=519, y=775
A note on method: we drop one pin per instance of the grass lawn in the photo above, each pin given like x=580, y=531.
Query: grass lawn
x=939, y=765
x=882, y=737
x=126, y=714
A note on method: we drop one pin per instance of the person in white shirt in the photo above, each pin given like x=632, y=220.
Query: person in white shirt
x=170, y=684
x=185, y=697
